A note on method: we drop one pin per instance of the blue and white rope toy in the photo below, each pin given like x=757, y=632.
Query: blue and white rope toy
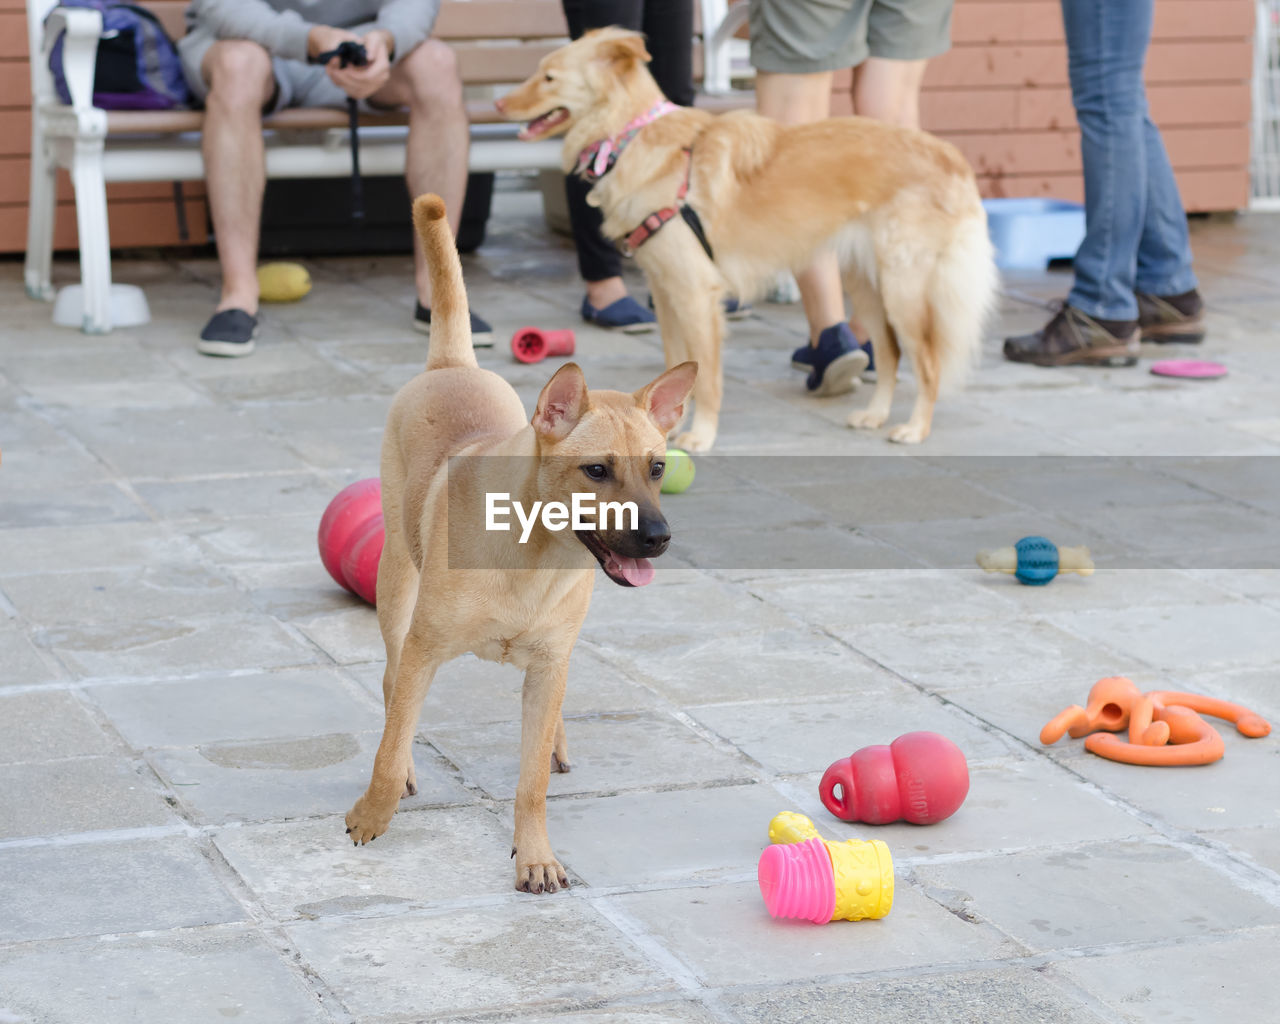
x=1036, y=560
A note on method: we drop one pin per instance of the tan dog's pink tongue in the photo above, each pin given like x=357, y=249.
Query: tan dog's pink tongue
x=636, y=571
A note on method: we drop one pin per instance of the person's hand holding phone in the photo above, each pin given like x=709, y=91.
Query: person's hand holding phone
x=361, y=82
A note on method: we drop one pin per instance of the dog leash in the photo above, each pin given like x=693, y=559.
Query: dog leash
x=349, y=52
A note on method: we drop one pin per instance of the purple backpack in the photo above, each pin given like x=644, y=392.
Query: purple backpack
x=138, y=66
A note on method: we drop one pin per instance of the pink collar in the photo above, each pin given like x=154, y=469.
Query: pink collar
x=598, y=159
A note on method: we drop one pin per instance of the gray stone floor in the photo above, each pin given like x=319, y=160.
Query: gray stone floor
x=188, y=705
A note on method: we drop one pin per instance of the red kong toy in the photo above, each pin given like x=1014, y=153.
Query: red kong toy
x=921, y=777
x=531, y=345
x=351, y=535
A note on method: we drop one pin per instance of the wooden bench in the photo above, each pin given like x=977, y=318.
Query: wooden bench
x=498, y=44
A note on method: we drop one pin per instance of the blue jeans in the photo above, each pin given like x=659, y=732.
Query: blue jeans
x=1135, y=227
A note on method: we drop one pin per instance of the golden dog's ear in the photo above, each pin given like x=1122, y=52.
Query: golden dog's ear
x=624, y=49
x=663, y=398
x=562, y=404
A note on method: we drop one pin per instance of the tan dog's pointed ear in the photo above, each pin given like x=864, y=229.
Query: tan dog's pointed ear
x=562, y=404
x=663, y=398
x=625, y=49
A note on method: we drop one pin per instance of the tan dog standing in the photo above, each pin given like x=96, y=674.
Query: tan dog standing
x=448, y=585
x=712, y=203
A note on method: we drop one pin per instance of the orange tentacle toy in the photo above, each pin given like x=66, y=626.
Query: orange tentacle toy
x=1164, y=726
x=1247, y=723
x=1110, y=701
x=1192, y=740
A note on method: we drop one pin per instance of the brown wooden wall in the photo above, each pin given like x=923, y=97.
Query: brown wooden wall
x=1000, y=94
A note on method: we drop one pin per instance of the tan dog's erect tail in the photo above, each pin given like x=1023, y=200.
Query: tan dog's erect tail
x=450, y=343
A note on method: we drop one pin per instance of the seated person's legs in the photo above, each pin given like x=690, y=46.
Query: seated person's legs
x=239, y=79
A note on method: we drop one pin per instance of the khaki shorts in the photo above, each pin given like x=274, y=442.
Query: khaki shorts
x=298, y=84
x=801, y=36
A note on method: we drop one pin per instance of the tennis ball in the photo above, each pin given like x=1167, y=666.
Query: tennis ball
x=283, y=282
x=679, y=475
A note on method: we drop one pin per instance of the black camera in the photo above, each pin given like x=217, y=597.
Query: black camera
x=349, y=54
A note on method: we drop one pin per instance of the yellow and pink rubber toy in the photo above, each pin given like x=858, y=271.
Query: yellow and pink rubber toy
x=808, y=878
x=1164, y=726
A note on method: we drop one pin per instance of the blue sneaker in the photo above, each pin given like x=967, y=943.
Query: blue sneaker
x=837, y=362
x=625, y=315
x=802, y=359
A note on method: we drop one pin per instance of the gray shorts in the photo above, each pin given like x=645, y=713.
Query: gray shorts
x=802, y=36
x=298, y=84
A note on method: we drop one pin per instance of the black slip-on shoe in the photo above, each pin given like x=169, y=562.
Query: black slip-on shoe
x=481, y=332
x=228, y=333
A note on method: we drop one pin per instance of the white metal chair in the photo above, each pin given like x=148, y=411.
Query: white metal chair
x=71, y=137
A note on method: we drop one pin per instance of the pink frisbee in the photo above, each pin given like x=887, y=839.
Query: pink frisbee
x=1195, y=369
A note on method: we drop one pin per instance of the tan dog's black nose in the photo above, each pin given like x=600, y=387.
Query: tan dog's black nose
x=653, y=535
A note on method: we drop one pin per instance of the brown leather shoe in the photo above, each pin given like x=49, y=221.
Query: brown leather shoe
x=1072, y=338
x=1164, y=323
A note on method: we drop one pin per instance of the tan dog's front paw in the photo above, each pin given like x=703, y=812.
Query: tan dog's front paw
x=410, y=782
x=539, y=873
x=867, y=419
x=365, y=822
x=695, y=440
x=908, y=433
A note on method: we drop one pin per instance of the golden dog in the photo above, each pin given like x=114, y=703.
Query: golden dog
x=899, y=207
x=448, y=583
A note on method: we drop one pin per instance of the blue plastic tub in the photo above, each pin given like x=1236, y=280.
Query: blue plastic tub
x=1028, y=233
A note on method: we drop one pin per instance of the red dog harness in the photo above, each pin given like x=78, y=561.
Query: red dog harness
x=598, y=159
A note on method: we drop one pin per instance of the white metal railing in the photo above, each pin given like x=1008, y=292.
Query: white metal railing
x=1265, y=164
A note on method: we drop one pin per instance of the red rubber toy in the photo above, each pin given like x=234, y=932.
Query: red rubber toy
x=351, y=535
x=531, y=345
x=920, y=777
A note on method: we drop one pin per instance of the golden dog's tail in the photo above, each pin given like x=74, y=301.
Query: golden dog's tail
x=450, y=343
x=962, y=295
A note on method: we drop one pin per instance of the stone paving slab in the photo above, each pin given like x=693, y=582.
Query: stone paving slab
x=78, y=795
x=243, y=707
x=51, y=892
x=792, y=738
x=524, y=955
x=205, y=977
x=1013, y=996
x=1193, y=978
x=1123, y=895
x=266, y=780
x=702, y=834
x=610, y=753
x=162, y=647
x=769, y=665
x=309, y=869
x=48, y=726
x=717, y=932
x=1011, y=804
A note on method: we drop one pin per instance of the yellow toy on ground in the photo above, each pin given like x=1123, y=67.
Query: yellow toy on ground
x=283, y=282
x=804, y=876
